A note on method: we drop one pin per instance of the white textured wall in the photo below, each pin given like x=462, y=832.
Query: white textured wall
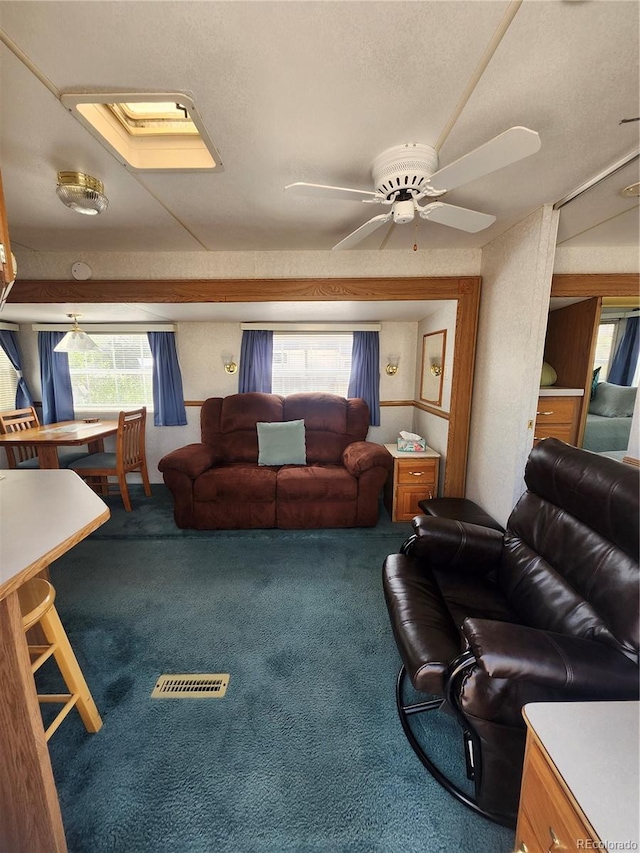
x=159, y=265
x=597, y=259
x=516, y=282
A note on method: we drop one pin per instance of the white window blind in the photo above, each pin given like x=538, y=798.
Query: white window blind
x=604, y=347
x=118, y=374
x=8, y=382
x=311, y=362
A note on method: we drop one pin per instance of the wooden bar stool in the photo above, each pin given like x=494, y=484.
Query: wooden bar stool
x=36, y=605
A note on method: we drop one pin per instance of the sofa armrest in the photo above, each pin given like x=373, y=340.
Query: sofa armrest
x=520, y=653
x=360, y=456
x=444, y=543
x=192, y=460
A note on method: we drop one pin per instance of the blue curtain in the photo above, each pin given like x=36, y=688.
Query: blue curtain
x=57, y=396
x=256, y=360
x=168, y=396
x=625, y=360
x=9, y=343
x=365, y=372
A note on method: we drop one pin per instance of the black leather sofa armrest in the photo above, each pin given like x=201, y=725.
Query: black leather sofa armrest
x=454, y=544
x=582, y=667
x=192, y=460
x=360, y=456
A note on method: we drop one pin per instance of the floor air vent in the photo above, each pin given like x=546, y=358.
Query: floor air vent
x=184, y=686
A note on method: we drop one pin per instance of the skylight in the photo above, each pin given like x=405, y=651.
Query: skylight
x=154, y=118
x=147, y=131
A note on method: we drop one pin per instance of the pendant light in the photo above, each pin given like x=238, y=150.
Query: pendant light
x=76, y=340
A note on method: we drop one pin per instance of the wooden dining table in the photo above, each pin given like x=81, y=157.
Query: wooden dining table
x=47, y=438
x=43, y=514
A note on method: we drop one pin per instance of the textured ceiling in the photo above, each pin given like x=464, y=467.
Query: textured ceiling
x=313, y=91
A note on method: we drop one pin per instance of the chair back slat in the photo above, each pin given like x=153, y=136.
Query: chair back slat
x=130, y=442
x=18, y=420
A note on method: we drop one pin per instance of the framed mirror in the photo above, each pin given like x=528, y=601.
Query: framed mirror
x=433, y=350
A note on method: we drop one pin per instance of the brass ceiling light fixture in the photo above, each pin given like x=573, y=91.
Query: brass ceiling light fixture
x=81, y=193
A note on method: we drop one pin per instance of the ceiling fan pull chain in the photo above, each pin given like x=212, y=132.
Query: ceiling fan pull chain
x=415, y=245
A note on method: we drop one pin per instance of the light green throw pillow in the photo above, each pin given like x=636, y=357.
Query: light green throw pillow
x=613, y=401
x=281, y=443
x=548, y=375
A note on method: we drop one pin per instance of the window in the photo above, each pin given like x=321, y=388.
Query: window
x=8, y=382
x=311, y=362
x=118, y=374
x=604, y=347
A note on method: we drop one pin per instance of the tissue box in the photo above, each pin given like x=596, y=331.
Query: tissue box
x=410, y=445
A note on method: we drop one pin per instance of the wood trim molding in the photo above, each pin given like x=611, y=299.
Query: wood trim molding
x=425, y=407
x=579, y=284
x=7, y=271
x=383, y=404
x=464, y=290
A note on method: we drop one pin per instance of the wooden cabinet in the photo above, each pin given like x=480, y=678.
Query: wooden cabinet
x=549, y=818
x=558, y=416
x=414, y=478
x=580, y=779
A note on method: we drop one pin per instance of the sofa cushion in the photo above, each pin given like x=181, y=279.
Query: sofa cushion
x=316, y=482
x=281, y=443
x=326, y=412
x=236, y=483
x=243, y=411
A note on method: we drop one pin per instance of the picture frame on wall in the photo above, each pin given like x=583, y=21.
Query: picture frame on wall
x=432, y=375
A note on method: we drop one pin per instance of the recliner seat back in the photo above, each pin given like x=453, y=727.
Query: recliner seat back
x=570, y=560
x=331, y=423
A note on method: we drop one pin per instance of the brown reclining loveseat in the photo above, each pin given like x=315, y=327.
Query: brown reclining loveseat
x=546, y=611
x=218, y=483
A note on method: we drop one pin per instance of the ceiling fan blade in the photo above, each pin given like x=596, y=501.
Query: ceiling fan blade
x=363, y=231
x=323, y=191
x=506, y=148
x=457, y=217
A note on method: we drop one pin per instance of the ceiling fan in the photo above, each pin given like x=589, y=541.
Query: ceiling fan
x=406, y=174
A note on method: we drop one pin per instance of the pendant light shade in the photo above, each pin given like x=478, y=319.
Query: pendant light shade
x=81, y=193
x=76, y=340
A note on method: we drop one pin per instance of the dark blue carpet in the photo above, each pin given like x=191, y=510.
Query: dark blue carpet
x=304, y=754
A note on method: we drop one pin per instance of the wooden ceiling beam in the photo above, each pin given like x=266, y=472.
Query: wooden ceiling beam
x=239, y=290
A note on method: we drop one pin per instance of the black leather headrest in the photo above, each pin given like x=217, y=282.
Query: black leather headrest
x=600, y=492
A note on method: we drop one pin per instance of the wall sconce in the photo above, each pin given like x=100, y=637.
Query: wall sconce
x=435, y=369
x=392, y=366
x=229, y=364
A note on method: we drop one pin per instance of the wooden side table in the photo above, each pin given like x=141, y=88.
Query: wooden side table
x=580, y=780
x=414, y=478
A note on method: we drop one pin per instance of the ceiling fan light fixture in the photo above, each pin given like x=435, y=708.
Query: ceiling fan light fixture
x=76, y=340
x=81, y=193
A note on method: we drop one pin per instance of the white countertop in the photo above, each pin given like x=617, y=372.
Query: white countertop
x=429, y=453
x=552, y=391
x=42, y=511
x=594, y=746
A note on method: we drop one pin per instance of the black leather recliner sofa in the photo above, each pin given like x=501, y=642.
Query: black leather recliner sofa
x=547, y=611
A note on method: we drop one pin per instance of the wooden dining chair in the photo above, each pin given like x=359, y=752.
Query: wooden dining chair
x=130, y=455
x=17, y=420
